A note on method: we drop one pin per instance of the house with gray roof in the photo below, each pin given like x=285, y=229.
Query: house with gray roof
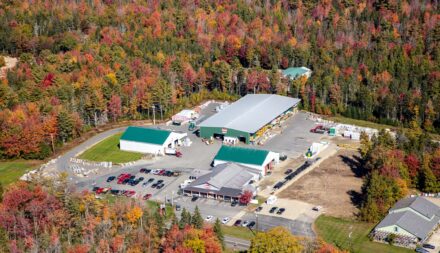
x=412, y=220
x=225, y=182
x=244, y=118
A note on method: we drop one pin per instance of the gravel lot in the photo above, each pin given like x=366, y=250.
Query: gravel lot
x=334, y=184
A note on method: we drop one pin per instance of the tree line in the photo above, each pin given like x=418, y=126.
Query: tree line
x=88, y=63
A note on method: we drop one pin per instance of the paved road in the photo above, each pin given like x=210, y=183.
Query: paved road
x=237, y=243
x=63, y=161
x=301, y=226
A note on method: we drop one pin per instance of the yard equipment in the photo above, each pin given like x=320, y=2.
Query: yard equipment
x=171, y=151
x=192, y=125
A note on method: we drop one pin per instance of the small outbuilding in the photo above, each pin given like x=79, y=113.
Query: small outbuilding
x=261, y=160
x=295, y=73
x=184, y=117
x=150, y=140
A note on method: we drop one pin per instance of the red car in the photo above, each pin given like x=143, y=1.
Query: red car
x=122, y=177
x=130, y=193
x=161, y=172
x=99, y=190
x=147, y=196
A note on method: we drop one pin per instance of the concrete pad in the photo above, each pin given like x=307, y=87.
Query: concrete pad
x=295, y=209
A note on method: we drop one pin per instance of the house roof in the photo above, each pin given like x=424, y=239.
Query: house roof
x=242, y=155
x=229, y=178
x=418, y=204
x=416, y=215
x=295, y=72
x=410, y=222
x=251, y=112
x=145, y=135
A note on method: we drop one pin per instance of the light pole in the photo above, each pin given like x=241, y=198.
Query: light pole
x=256, y=218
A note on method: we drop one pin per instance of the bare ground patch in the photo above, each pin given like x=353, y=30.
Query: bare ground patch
x=335, y=185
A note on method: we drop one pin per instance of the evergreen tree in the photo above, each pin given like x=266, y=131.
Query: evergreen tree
x=196, y=219
x=219, y=232
x=429, y=181
x=65, y=126
x=185, y=219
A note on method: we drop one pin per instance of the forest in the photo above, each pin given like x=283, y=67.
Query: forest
x=44, y=216
x=86, y=63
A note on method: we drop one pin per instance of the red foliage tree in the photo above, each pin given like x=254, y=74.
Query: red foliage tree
x=245, y=198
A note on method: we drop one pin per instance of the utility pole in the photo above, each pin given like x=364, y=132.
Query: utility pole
x=53, y=146
x=154, y=114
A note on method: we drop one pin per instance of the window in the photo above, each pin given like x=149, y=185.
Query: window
x=396, y=229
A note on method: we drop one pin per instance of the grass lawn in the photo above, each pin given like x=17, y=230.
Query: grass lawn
x=11, y=171
x=238, y=232
x=108, y=151
x=352, y=236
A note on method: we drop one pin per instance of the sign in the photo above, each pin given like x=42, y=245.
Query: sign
x=224, y=130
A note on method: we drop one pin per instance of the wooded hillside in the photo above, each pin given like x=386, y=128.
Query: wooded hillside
x=87, y=62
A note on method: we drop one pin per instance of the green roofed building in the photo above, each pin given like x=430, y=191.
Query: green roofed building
x=295, y=73
x=261, y=160
x=149, y=140
x=246, y=119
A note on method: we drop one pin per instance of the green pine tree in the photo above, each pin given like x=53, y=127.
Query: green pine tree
x=430, y=183
x=219, y=232
x=196, y=219
x=65, y=126
x=185, y=219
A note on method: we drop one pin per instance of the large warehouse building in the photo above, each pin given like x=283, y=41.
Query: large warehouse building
x=246, y=118
x=149, y=140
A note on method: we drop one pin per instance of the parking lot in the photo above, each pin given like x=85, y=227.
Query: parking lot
x=293, y=140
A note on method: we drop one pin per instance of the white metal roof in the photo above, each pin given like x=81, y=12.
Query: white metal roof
x=251, y=112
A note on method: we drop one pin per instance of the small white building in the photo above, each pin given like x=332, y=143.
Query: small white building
x=261, y=160
x=184, y=116
x=150, y=140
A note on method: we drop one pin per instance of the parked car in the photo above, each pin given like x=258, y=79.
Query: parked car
x=273, y=209
x=115, y=192
x=225, y=220
x=178, y=207
x=245, y=223
x=283, y=157
x=155, y=185
x=209, y=218
x=278, y=185
x=145, y=184
x=142, y=170
x=150, y=180
x=141, y=179
x=194, y=198
x=109, y=179
x=160, y=181
x=147, y=196
x=234, y=203
x=161, y=172
x=99, y=190
x=281, y=211
x=258, y=209
x=287, y=172
x=147, y=171
x=130, y=193
x=237, y=223
x=428, y=246
x=251, y=224
x=160, y=186
x=421, y=250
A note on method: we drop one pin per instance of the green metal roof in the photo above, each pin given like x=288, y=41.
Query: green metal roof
x=146, y=135
x=242, y=155
x=295, y=72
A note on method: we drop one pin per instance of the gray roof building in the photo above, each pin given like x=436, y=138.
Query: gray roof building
x=251, y=113
x=417, y=216
x=227, y=179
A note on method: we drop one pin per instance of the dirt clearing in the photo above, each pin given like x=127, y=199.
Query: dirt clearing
x=335, y=185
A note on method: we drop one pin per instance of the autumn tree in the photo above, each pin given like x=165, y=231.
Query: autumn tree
x=277, y=240
x=245, y=198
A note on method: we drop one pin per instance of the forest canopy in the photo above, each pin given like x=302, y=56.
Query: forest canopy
x=87, y=63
